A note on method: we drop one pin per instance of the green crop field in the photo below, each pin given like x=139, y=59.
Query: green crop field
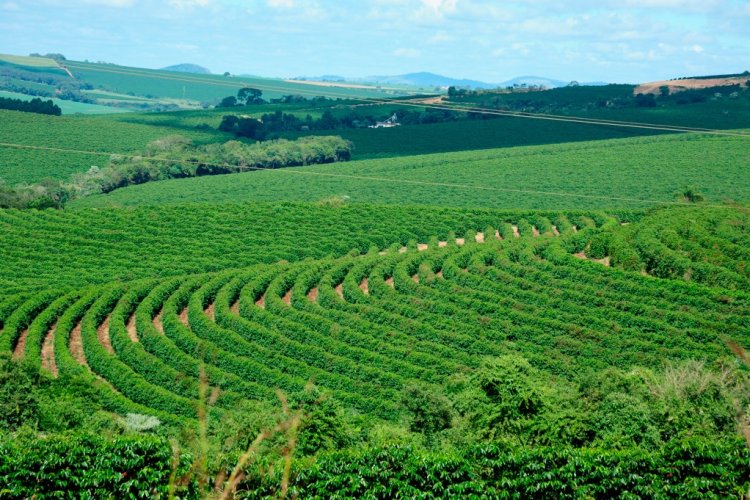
x=472, y=135
x=203, y=88
x=117, y=134
x=469, y=307
x=86, y=133
x=630, y=173
x=427, y=296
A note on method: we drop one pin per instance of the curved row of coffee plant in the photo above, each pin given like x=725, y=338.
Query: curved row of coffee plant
x=362, y=326
x=74, y=248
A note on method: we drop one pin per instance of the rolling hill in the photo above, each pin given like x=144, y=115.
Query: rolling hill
x=627, y=173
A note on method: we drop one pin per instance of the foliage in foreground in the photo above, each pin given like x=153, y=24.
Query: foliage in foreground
x=87, y=465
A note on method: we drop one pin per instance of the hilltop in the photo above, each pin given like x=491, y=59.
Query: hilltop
x=188, y=68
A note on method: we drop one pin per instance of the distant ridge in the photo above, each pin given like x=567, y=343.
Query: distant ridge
x=188, y=68
x=425, y=79
x=432, y=80
x=538, y=81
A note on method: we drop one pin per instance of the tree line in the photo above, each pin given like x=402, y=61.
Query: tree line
x=271, y=125
x=36, y=105
x=61, y=87
x=176, y=157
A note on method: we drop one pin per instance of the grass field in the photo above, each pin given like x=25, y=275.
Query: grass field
x=616, y=173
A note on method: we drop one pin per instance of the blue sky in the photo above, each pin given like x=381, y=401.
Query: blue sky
x=608, y=40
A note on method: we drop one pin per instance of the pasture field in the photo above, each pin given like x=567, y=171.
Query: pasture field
x=433, y=295
x=627, y=173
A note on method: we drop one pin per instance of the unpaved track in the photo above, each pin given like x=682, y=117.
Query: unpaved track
x=261, y=302
x=132, y=330
x=158, y=323
x=210, y=311
x=364, y=286
x=582, y=255
x=102, y=333
x=48, y=351
x=312, y=295
x=20, y=349
x=287, y=298
x=340, y=290
x=76, y=346
x=235, y=308
x=184, y=317
x=389, y=282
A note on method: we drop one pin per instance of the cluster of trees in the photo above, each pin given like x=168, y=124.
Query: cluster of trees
x=176, y=157
x=51, y=55
x=271, y=125
x=246, y=96
x=35, y=105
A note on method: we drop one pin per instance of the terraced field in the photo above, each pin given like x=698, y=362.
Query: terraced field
x=363, y=325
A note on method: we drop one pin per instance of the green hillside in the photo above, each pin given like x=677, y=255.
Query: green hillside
x=629, y=173
x=203, y=88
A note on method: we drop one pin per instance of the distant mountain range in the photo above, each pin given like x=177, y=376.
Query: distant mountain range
x=425, y=79
x=432, y=80
x=188, y=68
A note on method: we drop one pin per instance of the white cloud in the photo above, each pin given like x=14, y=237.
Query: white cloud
x=281, y=4
x=406, y=52
x=441, y=37
x=189, y=4
x=9, y=6
x=437, y=8
x=110, y=3
x=673, y=4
